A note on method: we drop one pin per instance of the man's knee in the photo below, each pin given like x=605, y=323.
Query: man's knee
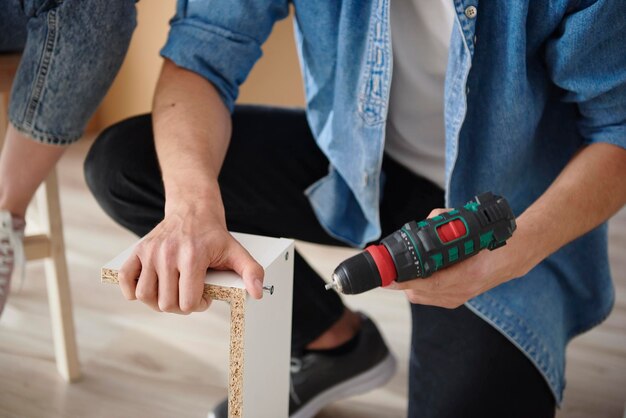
x=106, y=164
x=101, y=166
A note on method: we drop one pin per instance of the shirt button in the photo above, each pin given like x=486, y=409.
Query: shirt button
x=471, y=12
x=366, y=179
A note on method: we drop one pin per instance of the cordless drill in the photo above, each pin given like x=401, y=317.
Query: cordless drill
x=419, y=249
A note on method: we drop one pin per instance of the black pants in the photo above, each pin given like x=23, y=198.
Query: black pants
x=271, y=160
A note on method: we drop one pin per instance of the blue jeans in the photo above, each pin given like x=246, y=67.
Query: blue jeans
x=71, y=52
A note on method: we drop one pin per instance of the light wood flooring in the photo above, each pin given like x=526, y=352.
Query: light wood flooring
x=137, y=363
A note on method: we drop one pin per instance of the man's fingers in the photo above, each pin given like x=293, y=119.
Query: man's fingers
x=416, y=285
x=168, y=290
x=127, y=276
x=205, y=302
x=191, y=291
x=437, y=212
x=170, y=276
x=250, y=271
x=147, y=289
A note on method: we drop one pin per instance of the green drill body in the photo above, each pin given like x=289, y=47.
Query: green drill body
x=419, y=249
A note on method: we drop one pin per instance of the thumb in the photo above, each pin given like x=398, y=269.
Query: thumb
x=250, y=271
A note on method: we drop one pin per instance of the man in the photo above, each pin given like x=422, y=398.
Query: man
x=71, y=52
x=535, y=110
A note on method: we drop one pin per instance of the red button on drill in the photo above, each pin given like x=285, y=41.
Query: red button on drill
x=452, y=230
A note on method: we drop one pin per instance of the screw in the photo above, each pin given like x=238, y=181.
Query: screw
x=269, y=289
x=286, y=256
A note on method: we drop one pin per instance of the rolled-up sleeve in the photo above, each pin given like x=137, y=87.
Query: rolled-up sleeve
x=221, y=40
x=587, y=59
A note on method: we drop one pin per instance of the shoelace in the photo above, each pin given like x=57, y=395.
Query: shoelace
x=295, y=367
x=11, y=241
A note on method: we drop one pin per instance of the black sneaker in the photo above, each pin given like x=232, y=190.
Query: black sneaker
x=318, y=380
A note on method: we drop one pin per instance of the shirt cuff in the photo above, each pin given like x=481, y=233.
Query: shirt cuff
x=222, y=57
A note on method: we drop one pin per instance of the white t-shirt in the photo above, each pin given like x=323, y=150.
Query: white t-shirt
x=415, y=136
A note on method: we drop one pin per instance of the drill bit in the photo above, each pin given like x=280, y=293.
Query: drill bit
x=333, y=284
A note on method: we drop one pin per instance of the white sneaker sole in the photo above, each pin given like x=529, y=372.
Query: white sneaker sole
x=362, y=383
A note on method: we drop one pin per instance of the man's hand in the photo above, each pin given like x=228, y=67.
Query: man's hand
x=590, y=189
x=455, y=285
x=167, y=269
x=191, y=131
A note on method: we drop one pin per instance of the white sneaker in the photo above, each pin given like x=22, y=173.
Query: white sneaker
x=11, y=251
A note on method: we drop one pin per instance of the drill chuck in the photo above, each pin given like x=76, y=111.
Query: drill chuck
x=374, y=267
x=419, y=249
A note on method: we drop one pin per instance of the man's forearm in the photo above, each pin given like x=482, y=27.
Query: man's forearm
x=589, y=190
x=192, y=130
x=167, y=269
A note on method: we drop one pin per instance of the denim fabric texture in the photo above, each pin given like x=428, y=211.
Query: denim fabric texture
x=12, y=27
x=71, y=51
x=529, y=83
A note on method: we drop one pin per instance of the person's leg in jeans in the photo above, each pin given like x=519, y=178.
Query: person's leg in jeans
x=12, y=27
x=70, y=53
x=463, y=367
x=460, y=365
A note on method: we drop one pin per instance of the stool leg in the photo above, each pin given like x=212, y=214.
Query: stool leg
x=57, y=281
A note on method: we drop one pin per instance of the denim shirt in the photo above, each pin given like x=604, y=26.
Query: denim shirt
x=528, y=83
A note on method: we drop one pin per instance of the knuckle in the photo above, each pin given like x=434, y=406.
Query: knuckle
x=144, y=294
x=187, y=246
x=168, y=306
x=167, y=253
x=125, y=273
x=189, y=261
x=191, y=257
x=187, y=306
x=142, y=247
x=127, y=294
x=123, y=277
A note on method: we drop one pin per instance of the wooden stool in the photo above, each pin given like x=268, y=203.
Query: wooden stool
x=48, y=244
x=260, y=330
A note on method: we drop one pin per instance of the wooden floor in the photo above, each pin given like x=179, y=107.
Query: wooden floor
x=137, y=363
